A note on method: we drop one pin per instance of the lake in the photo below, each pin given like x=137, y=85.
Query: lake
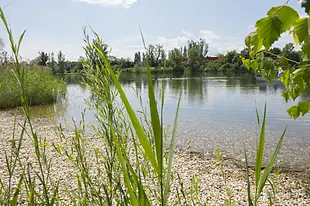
x=216, y=110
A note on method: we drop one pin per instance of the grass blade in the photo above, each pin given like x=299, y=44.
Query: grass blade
x=20, y=40
x=248, y=178
x=257, y=117
x=143, y=197
x=155, y=119
x=260, y=151
x=55, y=194
x=13, y=201
x=157, y=130
x=132, y=195
x=270, y=164
x=172, y=149
x=133, y=118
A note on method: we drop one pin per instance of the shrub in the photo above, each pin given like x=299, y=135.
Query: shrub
x=226, y=67
x=40, y=87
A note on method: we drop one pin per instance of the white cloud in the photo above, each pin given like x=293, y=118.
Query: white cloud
x=127, y=46
x=124, y=3
x=175, y=42
x=30, y=48
x=229, y=38
x=217, y=44
x=186, y=33
x=210, y=36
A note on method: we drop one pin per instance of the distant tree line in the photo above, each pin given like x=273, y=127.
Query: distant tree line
x=193, y=57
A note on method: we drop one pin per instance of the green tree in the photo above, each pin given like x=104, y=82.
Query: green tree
x=61, y=62
x=143, y=59
x=289, y=53
x=52, y=63
x=137, y=59
x=125, y=63
x=275, y=51
x=197, y=52
x=43, y=58
x=91, y=49
x=185, y=52
x=155, y=54
x=245, y=53
x=79, y=65
x=163, y=57
x=232, y=56
x=176, y=59
x=151, y=54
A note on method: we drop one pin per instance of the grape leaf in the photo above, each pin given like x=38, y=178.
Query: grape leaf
x=247, y=63
x=301, y=30
x=256, y=42
x=304, y=107
x=306, y=5
x=286, y=95
x=254, y=64
x=285, y=79
x=294, y=112
x=294, y=92
x=306, y=50
x=269, y=30
x=286, y=14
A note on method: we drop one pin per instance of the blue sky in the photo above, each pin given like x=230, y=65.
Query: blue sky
x=54, y=25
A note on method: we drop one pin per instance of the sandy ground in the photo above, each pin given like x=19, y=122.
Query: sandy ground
x=291, y=187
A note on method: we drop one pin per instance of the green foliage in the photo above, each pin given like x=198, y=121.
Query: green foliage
x=197, y=52
x=286, y=15
x=12, y=193
x=61, y=62
x=306, y=5
x=275, y=51
x=176, y=59
x=289, y=53
x=155, y=54
x=130, y=153
x=253, y=43
x=226, y=67
x=52, y=63
x=269, y=30
x=301, y=30
x=43, y=58
x=40, y=88
x=231, y=61
x=261, y=177
x=293, y=65
x=138, y=58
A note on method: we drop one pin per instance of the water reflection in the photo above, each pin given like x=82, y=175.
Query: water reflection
x=216, y=109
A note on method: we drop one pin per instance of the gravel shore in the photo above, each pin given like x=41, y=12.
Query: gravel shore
x=291, y=187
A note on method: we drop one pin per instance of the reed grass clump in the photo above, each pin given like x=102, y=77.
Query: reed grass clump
x=40, y=88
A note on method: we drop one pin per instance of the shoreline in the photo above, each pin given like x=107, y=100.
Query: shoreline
x=291, y=186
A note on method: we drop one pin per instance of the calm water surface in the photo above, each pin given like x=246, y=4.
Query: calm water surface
x=216, y=110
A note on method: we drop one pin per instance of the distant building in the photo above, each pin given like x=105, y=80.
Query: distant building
x=212, y=58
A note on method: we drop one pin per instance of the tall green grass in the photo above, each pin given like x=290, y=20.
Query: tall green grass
x=125, y=164
x=40, y=87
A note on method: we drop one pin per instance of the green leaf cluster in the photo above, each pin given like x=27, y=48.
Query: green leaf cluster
x=294, y=71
